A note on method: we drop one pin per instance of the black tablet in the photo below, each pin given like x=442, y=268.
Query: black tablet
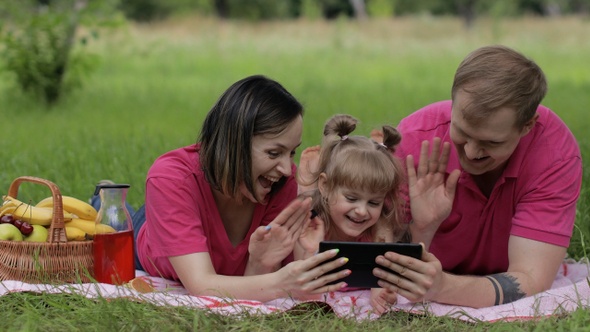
x=361, y=259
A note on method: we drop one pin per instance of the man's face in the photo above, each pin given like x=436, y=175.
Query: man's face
x=488, y=146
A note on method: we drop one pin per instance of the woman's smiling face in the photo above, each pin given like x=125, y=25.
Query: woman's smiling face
x=272, y=158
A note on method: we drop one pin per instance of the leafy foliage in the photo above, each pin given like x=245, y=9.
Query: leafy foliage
x=260, y=10
x=146, y=10
x=256, y=10
x=39, y=44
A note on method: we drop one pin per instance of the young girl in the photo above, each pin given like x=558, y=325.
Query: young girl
x=354, y=187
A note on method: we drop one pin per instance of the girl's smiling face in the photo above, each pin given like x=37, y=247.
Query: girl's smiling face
x=353, y=211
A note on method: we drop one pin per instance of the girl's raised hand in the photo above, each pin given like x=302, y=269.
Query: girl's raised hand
x=270, y=245
x=309, y=240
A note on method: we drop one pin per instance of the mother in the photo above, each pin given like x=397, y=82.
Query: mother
x=221, y=215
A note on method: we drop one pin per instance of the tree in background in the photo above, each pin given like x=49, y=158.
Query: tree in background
x=221, y=8
x=39, y=39
x=466, y=8
x=360, y=9
x=147, y=10
x=257, y=10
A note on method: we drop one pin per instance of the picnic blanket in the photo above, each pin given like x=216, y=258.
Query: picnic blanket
x=570, y=291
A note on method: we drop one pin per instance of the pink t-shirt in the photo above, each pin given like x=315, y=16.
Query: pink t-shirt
x=535, y=198
x=182, y=217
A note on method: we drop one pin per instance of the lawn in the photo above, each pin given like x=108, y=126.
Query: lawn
x=155, y=83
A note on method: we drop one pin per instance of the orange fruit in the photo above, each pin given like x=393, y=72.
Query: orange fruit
x=141, y=285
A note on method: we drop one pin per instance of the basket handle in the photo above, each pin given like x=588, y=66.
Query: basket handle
x=57, y=232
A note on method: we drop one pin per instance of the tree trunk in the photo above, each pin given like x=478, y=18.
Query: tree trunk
x=360, y=10
x=466, y=9
x=221, y=8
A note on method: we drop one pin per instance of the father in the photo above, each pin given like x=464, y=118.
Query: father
x=515, y=198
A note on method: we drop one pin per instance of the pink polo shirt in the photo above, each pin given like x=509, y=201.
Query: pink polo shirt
x=182, y=217
x=535, y=198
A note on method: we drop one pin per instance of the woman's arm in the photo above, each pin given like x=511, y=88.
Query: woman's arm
x=298, y=279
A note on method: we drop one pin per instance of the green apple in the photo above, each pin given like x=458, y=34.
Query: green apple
x=39, y=234
x=10, y=232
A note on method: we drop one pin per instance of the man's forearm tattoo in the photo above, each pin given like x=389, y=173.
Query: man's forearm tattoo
x=507, y=288
x=496, y=288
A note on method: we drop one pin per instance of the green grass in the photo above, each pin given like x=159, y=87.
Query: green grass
x=155, y=84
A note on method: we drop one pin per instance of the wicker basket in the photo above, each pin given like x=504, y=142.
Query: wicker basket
x=54, y=261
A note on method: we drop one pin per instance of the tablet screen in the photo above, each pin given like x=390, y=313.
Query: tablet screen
x=361, y=259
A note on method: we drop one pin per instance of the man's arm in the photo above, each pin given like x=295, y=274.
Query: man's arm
x=532, y=269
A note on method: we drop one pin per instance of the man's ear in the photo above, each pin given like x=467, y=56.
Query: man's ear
x=322, y=183
x=529, y=125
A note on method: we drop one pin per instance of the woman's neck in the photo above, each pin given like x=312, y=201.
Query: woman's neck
x=236, y=215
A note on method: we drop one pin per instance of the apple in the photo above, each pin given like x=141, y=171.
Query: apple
x=9, y=232
x=39, y=234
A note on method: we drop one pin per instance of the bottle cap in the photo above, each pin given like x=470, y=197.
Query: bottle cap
x=110, y=186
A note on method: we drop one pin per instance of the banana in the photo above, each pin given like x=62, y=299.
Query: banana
x=72, y=205
x=90, y=227
x=46, y=202
x=34, y=215
x=75, y=234
x=7, y=208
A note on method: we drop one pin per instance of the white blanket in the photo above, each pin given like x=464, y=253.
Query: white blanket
x=570, y=291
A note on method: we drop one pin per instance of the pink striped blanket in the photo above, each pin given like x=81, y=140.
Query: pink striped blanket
x=570, y=291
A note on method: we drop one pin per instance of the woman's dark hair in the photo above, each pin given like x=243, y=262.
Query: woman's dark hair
x=252, y=106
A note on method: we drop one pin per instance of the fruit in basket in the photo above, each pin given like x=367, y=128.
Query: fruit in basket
x=75, y=234
x=7, y=208
x=32, y=214
x=9, y=232
x=90, y=227
x=26, y=228
x=23, y=226
x=7, y=219
x=18, y=223
x=39, y=234
x=72, y=205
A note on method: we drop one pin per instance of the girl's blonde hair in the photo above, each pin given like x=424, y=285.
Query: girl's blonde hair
x=361, y=163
